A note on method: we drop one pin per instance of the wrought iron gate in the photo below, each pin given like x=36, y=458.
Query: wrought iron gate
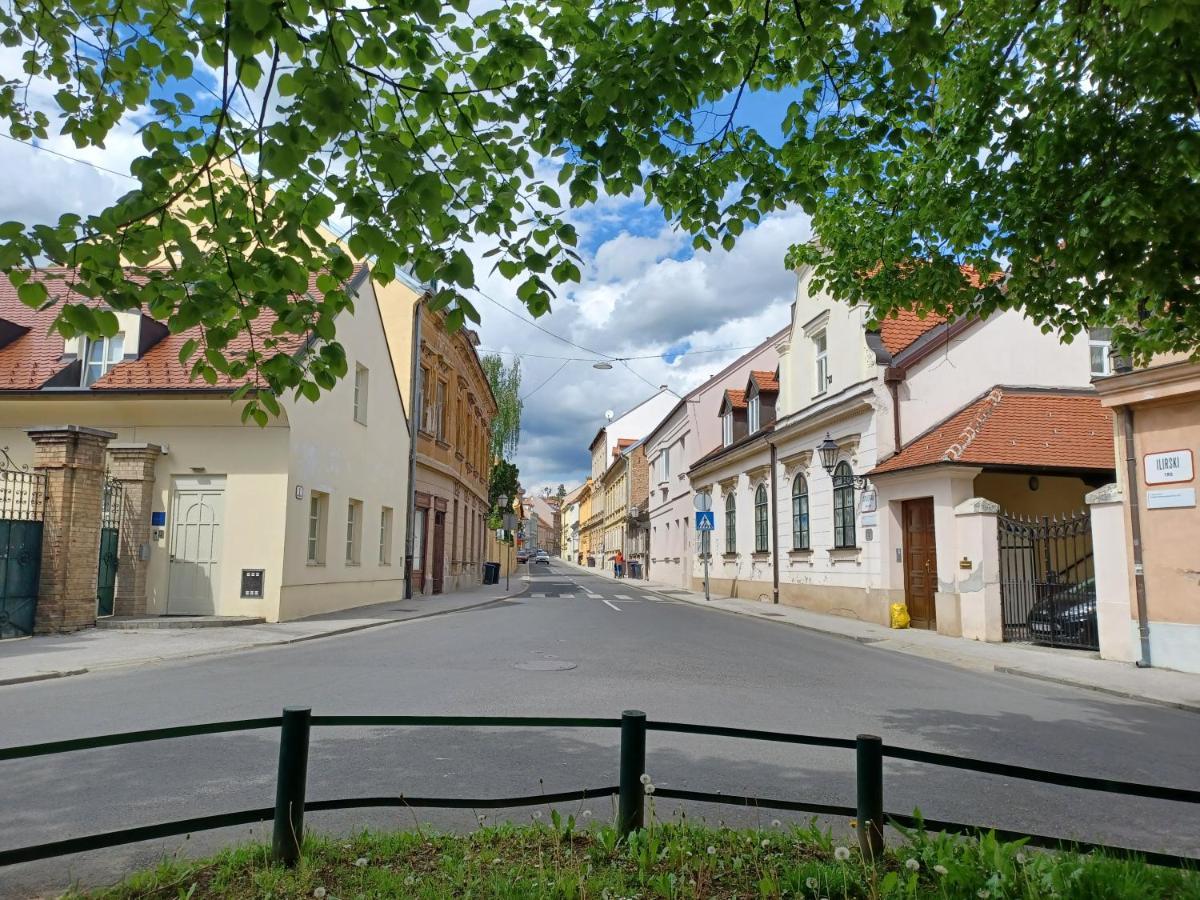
x=112, y=503
x=1047, y=579
x=22, y=507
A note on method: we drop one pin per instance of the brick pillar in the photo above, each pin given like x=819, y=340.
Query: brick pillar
x=132, y=465
x=72, y=458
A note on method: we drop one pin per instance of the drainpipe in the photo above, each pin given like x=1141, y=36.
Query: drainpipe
x=774, y=525
x=892, y=378
x=1135, y=522
x=414, y=425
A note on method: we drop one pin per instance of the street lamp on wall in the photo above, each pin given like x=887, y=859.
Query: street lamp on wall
x=828, y=450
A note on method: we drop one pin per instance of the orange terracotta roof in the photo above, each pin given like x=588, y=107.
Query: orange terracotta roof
x=903, y=330
x=737, y=399
x=766, y=381
x=1017, y=427
x=28, y=362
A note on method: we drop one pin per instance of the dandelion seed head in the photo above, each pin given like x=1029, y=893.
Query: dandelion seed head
x=775, y=823
x=319, y=892
x=361, y=862
x=645, y=779
x=912, y=865
x=712, y=851
x=766, y=843
x=1021, y=859
x=841, y=853
x=810, y=883
x=649, y=789
x=940, y=869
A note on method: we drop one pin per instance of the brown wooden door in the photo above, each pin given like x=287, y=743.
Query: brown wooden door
x=437, y=567
x=920, y=562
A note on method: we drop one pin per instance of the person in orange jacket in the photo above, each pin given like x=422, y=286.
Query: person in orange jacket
x=619, y=564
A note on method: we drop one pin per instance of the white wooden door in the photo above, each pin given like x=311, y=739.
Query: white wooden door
x=197, y=516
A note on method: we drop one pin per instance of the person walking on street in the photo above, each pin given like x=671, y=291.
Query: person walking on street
x=619, y=564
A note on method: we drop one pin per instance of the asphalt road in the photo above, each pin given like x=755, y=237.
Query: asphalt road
x=575, y=645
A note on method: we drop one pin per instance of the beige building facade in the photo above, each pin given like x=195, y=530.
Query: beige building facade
x=1146, y=523
x=219, y=517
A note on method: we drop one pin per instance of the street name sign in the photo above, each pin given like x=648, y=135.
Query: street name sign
x=1169, y=468
x=705, y=521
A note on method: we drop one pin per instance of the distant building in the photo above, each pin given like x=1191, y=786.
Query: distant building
x=604, y=529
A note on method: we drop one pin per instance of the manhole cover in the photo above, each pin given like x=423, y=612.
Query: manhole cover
x=546, y=665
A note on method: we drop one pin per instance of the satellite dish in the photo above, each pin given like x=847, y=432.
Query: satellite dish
x=608, y=414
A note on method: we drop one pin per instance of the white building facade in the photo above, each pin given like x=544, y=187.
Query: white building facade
x=690, y=429
x=871, y=520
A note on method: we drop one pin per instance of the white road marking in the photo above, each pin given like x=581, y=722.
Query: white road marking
x=595, y=597
x=610, y=604
x=622, y=597
x=537, y=595
x=567, y=596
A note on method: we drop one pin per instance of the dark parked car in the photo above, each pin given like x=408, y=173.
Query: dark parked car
x=1066, y=616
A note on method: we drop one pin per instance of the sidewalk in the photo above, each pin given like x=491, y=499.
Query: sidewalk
x=59, y=656
x=1074, y=668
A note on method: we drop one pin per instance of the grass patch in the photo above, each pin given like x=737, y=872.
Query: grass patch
x=676, y=860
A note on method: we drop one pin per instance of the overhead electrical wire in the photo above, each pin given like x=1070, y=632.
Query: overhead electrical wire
x=547, y=381
x=619, y=358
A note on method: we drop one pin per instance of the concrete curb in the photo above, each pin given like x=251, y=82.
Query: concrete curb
x=868, y=641
x=42, y=676
x=1088, y=686
x=238, y=648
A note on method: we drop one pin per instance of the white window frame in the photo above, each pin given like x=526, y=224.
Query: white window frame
x=361, y=390
x=727, y=429
x=318, y=525
x=821, y=359
x=386, y=516
x=1106, y=367
x=754, y=414
x=354, y=516
x=112, y=351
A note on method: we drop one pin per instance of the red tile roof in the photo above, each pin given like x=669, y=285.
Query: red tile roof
x=903, y=330
x=766, y=381
x=1017, y=427
x=737, y=399
x=28, y=362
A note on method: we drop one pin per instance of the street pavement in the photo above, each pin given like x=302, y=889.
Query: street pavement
x=574, y=644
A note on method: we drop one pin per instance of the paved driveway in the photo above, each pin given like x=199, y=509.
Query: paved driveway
x=575, y=644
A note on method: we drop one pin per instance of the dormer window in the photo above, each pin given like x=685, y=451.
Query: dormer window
x=727, y=428
x=100, y=355
x=755, y=413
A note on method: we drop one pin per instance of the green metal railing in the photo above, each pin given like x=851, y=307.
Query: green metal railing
x=296, y=724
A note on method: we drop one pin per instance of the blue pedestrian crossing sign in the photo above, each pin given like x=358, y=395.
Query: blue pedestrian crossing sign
x=706, y=521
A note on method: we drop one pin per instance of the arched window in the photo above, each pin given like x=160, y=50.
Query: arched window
x=843, y=506
x=800, y=533
x=730, y=524
x=760, y=519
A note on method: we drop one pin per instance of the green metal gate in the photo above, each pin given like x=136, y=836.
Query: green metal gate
x=110, y=532
x=22, y=507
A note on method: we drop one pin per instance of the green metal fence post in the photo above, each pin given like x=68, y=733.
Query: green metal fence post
x=869, y=758
x=631, y=810
x=290, y=784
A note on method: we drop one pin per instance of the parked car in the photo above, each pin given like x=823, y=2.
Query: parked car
x=522, y=556
x=541, y=557
x=1066, y=616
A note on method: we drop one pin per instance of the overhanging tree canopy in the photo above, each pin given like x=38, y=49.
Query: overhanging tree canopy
x=1057, y=141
